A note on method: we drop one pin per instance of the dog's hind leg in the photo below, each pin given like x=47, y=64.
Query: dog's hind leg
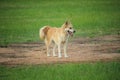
x=47, y=42
x=54, y=48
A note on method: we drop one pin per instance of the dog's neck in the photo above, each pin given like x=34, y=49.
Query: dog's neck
x=63, y=30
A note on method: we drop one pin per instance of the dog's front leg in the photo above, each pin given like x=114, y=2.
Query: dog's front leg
x=59, y=51
x=65, y=47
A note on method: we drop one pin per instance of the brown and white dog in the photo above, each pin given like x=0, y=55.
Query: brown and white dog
x=58, y=36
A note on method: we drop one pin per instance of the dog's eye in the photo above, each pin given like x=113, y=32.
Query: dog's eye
x=70, y=27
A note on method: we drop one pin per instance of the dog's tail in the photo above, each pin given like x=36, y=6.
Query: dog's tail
x=43, y=32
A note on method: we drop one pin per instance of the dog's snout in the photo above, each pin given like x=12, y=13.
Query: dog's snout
x=74, y=31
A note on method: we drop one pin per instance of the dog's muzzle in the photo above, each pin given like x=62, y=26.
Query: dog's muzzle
x=71, y=32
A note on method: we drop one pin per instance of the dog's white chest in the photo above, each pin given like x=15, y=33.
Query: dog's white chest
x=64, y=39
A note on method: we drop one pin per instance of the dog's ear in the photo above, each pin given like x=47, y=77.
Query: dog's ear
x=67, y=22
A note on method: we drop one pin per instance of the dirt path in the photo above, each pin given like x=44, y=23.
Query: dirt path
x=103, y=48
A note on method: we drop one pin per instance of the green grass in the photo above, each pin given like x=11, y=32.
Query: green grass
x=20, y=20
x=83, y=71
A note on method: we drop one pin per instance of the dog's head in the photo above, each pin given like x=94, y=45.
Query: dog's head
x=68, y=27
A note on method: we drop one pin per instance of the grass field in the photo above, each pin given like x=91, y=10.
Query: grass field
x=20, y=20
x=83, y=71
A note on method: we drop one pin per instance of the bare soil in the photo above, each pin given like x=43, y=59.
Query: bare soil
x=103, y=48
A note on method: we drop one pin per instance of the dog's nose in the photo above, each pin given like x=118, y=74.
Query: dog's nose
x=74, y=31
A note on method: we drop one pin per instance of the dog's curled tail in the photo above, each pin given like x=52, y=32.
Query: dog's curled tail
x=43, y=32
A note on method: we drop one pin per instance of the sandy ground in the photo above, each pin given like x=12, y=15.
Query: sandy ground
x=104, y=48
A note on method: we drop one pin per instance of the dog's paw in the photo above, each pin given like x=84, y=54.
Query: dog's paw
x=66, y=56
x=59, y=56
x=48, y=55
x=55, y=55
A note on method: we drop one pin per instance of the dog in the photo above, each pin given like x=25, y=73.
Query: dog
x=58, y=36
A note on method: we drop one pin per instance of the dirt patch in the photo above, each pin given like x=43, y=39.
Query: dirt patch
x=104, y=48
